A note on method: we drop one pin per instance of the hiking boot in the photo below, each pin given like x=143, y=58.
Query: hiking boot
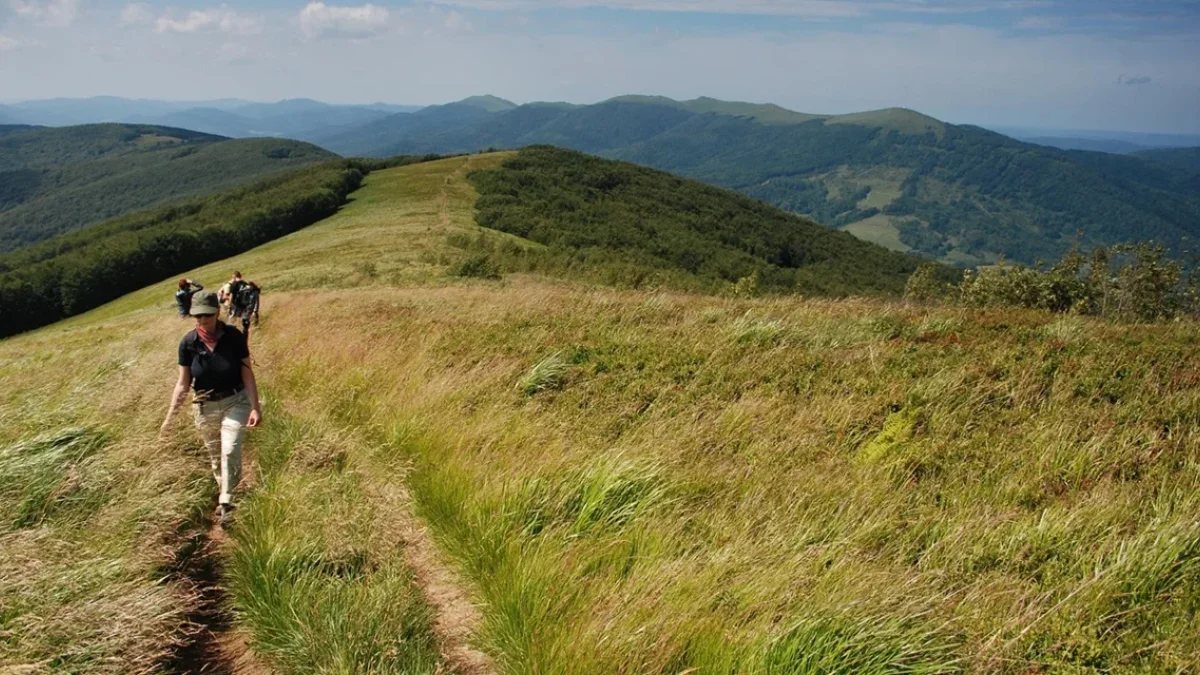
x=225, y=515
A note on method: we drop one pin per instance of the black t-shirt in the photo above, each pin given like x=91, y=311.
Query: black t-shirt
x=219, y=370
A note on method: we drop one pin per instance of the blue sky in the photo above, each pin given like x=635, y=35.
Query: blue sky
x=1105, y=64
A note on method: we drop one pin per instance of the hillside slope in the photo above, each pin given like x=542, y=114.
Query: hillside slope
x=1184, y=158
x=56, y=180
x=601, y=209
x=960, y=194
x=641, y=482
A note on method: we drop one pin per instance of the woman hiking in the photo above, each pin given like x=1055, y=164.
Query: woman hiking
x=214, y=360
x=183, y=296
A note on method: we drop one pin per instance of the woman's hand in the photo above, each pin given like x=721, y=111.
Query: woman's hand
x=255, y=417
x=165, y=429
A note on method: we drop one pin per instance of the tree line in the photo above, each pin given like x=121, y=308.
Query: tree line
x=73, y=273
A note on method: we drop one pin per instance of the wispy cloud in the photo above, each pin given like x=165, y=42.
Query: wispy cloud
x=801, y=8
x=136, y=13
x=1140, y=79
x=320, y=20
x=49, y=13
x=455, y=21
x=8, y=44
x=222, y=19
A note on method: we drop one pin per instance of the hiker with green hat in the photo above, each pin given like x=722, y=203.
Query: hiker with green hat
x=214, y=360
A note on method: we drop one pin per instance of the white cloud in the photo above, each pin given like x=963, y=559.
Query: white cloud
x=318, y=20
x=221, y=19
x=50, y=13
x=828, y=9
x=457, y=22
x=136, y=13
x=8, y=44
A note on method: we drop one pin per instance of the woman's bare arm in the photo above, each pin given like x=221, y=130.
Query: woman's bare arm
x=181, y=387
x=251, y=392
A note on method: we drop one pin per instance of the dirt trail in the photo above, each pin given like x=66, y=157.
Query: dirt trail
x=456, y=618
x=444, y=197
x=213, y=646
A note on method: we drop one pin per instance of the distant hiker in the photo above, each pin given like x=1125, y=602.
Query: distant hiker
x=247, y=303
x=229, y=292
x=214, y=360
x=183, y=296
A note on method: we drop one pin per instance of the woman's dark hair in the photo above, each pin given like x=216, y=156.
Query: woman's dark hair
x=183, y=284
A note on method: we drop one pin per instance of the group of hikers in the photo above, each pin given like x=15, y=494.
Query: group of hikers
x=240, y=299
x=214, y=362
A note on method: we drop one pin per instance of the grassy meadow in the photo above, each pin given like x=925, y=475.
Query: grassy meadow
x=625, y=481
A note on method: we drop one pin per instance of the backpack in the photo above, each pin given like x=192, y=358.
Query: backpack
x=246, y=298
x=235, y=295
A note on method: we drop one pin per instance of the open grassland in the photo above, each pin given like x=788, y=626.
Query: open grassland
x=629, y=481
x=97, y=520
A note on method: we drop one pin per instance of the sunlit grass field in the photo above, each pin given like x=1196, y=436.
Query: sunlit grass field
x=627, y=481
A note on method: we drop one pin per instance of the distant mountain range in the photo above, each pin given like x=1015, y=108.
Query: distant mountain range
x=1120, y=142
x=300, y=119
x=957, y=193
x=60, y=179
x=960, y=194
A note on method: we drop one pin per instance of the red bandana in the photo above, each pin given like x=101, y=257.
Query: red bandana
x=208, y=337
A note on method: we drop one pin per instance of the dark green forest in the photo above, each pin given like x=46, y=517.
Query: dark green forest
x=966, y=194
x=604, y=212
x=56, y=180
x=75, y=272
x=1183, y=158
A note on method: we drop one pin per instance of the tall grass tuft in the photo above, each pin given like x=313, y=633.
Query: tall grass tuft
x=883, y=645
x=548, y=374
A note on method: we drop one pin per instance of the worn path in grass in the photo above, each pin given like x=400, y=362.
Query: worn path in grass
x=214, y=645
x=130, y=596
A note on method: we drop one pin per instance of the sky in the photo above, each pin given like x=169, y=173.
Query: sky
x=1101, y=64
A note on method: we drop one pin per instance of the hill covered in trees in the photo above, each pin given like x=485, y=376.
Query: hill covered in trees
x=960, y=194
x=1184, y=158
x=56, y=180
x=606, y=212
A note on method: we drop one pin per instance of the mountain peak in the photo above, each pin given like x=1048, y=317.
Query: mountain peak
x=904, y=120
x=488, y=103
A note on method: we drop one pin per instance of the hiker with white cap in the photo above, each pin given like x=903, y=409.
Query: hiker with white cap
x=214, y=360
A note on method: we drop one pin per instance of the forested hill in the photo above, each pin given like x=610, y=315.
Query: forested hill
x=1184, y=158
x=910, y=182
x=600, y=213
x=56, y=180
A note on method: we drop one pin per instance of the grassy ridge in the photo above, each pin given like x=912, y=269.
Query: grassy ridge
x=653, y=482
x=56, y=180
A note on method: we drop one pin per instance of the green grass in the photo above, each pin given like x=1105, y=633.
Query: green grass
x=97, y=514
x=730, y=485
x=317, y=574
